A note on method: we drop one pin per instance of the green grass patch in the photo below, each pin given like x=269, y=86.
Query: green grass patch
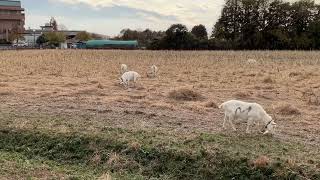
x=15, y=165
x=152, y=155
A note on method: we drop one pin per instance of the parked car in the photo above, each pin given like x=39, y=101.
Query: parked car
x=74, y=46
x=20, y=44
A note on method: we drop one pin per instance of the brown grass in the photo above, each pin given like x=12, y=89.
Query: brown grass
x=261, y=162
x=106, y=176
x=6, y=93
x=185, y=95
x=100, y=86
x=242, y=95
x=135, y=146
x=211, y=104
x=293, y=74
x=268, y=80
x=96, y=159
x=311, y=96
x=3, y=85
x=114, y=158
x=71, y=82
x=287, y=109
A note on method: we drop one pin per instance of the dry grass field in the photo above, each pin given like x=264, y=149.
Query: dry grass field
x=64, y=115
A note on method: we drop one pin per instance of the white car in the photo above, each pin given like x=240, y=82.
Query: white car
x=73, y=46
x=20, y=44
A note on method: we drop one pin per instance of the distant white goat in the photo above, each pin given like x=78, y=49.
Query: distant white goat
x=252, y=61
x=124, y=68
x=129, y=76
x=251, y=112
x=153, y=71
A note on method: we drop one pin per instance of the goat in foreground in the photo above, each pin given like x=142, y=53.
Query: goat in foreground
x=124, y=68
x=251, y=112
x=129, y=76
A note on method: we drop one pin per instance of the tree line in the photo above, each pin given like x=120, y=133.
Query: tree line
x=54, y=38
x=243, y=24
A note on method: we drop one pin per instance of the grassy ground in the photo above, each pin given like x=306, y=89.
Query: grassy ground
x=63, y=115
x=140, y=154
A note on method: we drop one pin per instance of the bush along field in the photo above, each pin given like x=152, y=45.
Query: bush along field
x=63, y=115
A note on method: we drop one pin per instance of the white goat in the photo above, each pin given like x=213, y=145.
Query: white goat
x=252, y=61
x=251, y=112
x=129, y=76
x=153, y=71
x=124, y=68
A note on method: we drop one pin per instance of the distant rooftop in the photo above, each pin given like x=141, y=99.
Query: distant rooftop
x=10, y=3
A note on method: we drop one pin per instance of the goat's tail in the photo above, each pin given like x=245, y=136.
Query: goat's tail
x=221, y=105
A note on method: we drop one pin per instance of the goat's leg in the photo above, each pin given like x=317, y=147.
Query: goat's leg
x=224, y=121
x=134, y=82
x=232, y=125
x=249, y=122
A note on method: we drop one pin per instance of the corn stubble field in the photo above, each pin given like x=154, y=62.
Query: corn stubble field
x=63, y=115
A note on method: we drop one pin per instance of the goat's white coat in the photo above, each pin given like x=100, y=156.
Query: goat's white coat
x=124, y=68
x=153, y=71
x=251, y=112
x=129, y=76
x=252, y=61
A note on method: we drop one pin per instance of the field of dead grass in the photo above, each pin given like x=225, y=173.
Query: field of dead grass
x=77, y=91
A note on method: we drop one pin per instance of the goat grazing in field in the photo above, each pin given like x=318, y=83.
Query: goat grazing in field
x=129, y=76
x=124, y=68
x=153, y=71
x=251, y=112
x=252, y=61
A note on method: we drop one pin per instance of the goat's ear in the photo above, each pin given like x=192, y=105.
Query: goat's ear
x=266, y=132
x=273, y=123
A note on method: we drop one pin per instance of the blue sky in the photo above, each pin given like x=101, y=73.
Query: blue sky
x=109, y=17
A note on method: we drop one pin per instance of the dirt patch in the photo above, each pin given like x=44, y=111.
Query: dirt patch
x=294, y=74
x=268, y=80
x=6, y=93
x=100, y=86
x=3, y=85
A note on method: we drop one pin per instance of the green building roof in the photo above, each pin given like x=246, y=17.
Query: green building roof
x=110, y=43
x=10, y=3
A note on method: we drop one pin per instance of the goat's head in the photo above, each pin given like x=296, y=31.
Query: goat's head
x=121, y=82
x=270, y=126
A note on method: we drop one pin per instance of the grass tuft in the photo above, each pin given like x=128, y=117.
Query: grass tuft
x=185, y=95
x=268, y=80
x=211, y=104
x=288, y=109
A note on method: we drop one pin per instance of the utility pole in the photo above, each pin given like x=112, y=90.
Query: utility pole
x=34, y=38
x=235, y=9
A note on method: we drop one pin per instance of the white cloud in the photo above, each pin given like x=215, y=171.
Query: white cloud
x=189, y=12
x=111, y=26
x=153, y=14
